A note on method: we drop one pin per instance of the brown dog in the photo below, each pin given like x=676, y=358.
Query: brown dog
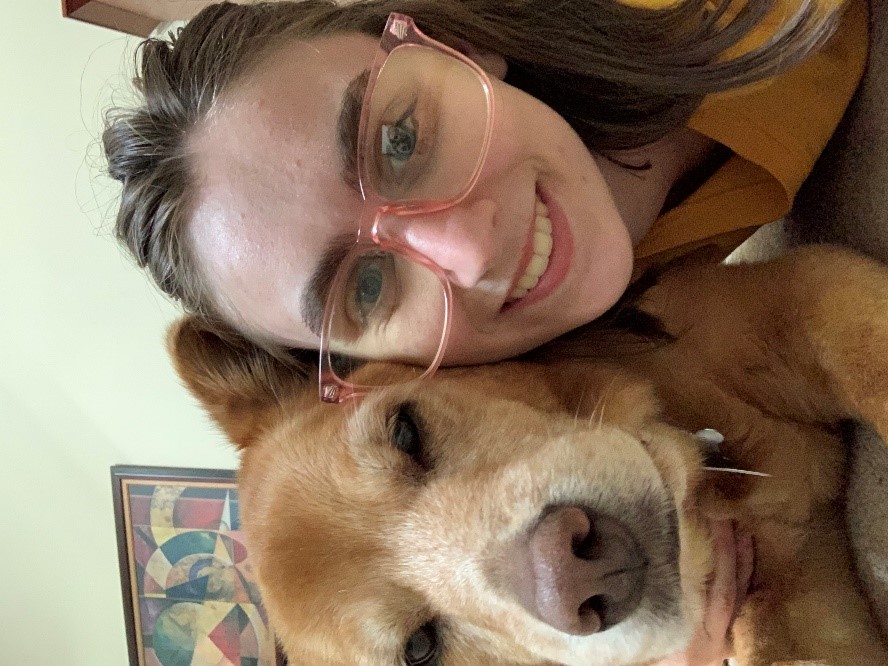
x=557, y=512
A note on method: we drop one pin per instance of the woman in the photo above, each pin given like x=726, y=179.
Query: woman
x=506, y=176
x=206, y=181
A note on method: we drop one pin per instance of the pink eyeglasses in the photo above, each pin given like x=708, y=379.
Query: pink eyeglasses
x=424, y=131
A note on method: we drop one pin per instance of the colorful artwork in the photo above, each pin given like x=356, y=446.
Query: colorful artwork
x=189, y=592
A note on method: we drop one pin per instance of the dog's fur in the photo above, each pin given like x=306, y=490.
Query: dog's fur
x=359, y=539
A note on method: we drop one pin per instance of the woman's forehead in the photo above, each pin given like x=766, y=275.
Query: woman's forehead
x=288, y=108
x=320, y=69
x=268, y=170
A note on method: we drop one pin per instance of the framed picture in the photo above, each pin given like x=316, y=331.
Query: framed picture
x=189, y=594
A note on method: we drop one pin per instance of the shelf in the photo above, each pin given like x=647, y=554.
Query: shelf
x=134, y=17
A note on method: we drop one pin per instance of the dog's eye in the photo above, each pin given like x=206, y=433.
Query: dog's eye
x=422, y=646
x=406, y=434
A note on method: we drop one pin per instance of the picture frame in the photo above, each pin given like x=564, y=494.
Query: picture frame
x=189, y=594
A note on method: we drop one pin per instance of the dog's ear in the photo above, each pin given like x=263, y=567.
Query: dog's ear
x=240, y=384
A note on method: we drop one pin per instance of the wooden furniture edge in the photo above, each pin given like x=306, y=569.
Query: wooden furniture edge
x=114, y=18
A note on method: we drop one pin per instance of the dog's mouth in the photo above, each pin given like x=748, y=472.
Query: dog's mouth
x=734, y=550
x=732, y=579
x=746, y=560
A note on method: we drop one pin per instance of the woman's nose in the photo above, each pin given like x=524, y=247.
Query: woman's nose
x=461, y=240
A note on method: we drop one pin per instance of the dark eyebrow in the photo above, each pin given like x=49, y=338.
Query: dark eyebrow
x=318, y=286
x=314, y=298
x=347, y=128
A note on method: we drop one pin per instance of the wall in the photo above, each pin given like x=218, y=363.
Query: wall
x=84, y=379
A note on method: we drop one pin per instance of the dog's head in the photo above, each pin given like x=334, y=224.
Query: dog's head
x=497, y=514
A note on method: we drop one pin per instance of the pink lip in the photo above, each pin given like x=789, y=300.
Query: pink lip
x=559, y=259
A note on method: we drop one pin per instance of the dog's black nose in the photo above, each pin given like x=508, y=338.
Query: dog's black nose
x=588, y=571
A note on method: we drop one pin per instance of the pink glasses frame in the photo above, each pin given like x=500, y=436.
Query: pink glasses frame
x=400, y=32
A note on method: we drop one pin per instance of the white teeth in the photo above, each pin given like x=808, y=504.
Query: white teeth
x=528, y=282
x=542, y=248
x=535, y=268
x=542, y=243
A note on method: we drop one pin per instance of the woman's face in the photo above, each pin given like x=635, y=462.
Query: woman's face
x=272, y=201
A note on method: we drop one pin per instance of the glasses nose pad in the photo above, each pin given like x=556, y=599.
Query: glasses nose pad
x=460, y=241
x=389, y=229
x=412, y=236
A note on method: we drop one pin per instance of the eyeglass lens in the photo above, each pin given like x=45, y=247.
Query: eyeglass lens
x=426, y=127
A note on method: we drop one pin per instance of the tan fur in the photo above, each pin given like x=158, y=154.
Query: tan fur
x=356, y=546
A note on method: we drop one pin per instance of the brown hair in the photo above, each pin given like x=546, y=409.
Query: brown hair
x=621, y=75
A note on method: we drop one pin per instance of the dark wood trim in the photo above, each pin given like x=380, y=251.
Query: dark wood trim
x=69, y=6
x=136, y=17
x=108, y=16
x=123, y=561
x=172, y=473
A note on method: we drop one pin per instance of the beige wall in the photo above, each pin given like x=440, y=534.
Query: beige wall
x=84, y=381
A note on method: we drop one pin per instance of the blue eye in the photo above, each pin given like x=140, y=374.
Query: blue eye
x=371, y=285
x=400, y=146
x=399, y=141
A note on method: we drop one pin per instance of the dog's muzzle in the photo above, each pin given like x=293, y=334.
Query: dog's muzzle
x=581, y=572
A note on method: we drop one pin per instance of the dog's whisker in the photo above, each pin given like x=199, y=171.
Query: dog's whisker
x=579, y=405
x=603, y=403
x=598, y=411
x=593, y=413
x=732, y=470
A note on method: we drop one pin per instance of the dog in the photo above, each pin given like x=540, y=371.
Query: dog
x=558, y=509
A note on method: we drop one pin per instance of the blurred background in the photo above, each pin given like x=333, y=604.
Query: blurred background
x=84, y=378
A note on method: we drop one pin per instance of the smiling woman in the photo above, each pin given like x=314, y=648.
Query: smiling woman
x=497, y=192
x=440, y=254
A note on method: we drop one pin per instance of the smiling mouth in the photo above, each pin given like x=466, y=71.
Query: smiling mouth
x=539, y=259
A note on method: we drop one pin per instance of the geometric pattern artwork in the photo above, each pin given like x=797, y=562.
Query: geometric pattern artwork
x=189, y=591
